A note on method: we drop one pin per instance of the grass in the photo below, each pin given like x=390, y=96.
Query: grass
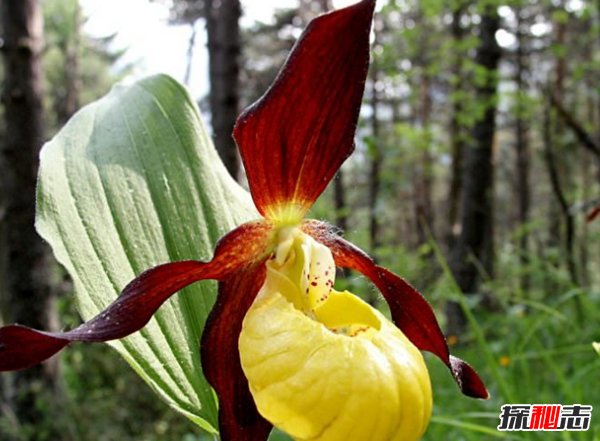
x=532, y=351
x=530, y=358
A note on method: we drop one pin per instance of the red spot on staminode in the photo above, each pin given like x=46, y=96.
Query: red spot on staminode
x=313, y=283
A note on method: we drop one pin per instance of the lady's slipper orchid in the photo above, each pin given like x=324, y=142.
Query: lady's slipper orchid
x=281, y=346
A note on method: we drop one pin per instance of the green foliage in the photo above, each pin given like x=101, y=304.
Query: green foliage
x=74, y=63
x=131, y=182
x=107, y=398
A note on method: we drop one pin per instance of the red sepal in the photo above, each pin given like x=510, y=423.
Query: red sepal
x=239, y=419
x=22, y=347
x=410, y=311
x=295, y=138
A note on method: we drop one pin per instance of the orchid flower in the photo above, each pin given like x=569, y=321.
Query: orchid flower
x=281, y=346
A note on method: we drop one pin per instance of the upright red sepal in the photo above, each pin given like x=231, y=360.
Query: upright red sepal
x=295, y=138
x=409, y=309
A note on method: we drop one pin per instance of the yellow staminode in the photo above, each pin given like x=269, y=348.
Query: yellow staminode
x=324, y=365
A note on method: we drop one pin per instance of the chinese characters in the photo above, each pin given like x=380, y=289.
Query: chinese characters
x=574, y=417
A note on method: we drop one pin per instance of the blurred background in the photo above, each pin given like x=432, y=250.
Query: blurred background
x=476, y=177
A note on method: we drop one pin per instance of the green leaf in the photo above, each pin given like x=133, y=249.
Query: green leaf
x=130, y=182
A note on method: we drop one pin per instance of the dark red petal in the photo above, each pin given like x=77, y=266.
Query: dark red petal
x=22, y=347
x=239, y=419
x=410, y=311
x=295, y=138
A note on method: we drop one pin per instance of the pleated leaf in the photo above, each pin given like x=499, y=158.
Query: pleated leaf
x=130, y=182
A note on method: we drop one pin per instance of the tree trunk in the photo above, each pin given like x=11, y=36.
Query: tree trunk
x=70, y=47
x=374, y=152
x=522, y=153
x=375, y=171
x=26, y=273
x=555, y=214
x=222, y=25
x=586, y=184
x=555, y=131
x=457, y=134
x=469, y=252
x=558, y=191
x=423, y=178
x=424, y=181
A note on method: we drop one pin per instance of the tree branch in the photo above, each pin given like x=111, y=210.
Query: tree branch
x=581, y=134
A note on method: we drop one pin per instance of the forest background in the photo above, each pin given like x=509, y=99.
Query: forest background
x=476, y=177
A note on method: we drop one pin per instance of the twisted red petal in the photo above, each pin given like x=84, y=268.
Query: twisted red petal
x=239, y=419
x=22, y=347
x=295, y=138
x=410, y=311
